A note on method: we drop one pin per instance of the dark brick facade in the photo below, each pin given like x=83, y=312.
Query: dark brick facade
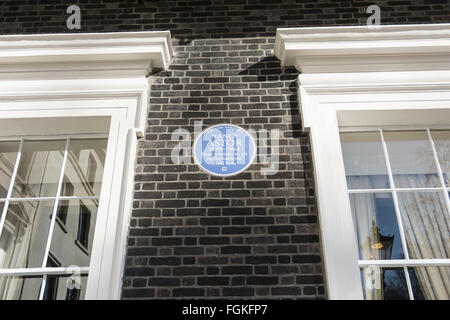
x=193, y=235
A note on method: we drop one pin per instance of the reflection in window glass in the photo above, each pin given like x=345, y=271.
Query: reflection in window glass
x=39, y=169
x=25, y=233
x=20, y=288
x=411, y=158
x=430, y=283
x=26, y=230
x=84, y=225
x=442, y=144
x=426, y=223
x=8, y=155
x=70, y=287
x=384, y=283
x=84, y=168
x=365, y=165
x=376, y=226
x=28, y=287
x=73, y=245
x=51, y=284
x=66, y=189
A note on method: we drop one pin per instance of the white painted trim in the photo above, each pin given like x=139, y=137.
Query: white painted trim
x=359, y=48
x=59, y=83
x=409, y=263
x=131, y=53
x=41, y=271
x=359, y=77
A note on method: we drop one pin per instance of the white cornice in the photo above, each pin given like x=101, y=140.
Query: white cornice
x=361, y=49
x=117, y=53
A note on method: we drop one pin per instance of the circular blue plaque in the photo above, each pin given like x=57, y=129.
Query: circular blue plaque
x=224, y=150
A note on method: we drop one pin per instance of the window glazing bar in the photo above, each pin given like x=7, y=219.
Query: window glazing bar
x=390, y=128
x=408, y=283
x=397, y=211
x=87, y=136
x=42, y=271
x=397, y=190
x=394, y=196
x=11, y=187
x=438, y=165
x=52, y=223
x=407, y=263
x=52, y=198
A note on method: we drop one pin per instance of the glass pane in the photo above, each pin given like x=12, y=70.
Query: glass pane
x=430, y=283
x=72, y=243
x=65, y=287
x=25, y=234
x=39, y=169
x=411, y=158
x=376, y=226
x=384, y=283
x=4, y=240
x=20, y=288
x=84, y=168
x=426, y=223
x=442, y=143
x=8, y=155
x=365, y=165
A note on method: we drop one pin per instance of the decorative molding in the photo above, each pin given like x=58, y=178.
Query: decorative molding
x=361, y=49
x=360, y=77
x=84, y=54
x=87, y=83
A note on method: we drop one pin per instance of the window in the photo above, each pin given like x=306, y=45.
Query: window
x=373, y=103
x=51, y=285
x=399, y=195
x=61, y=215
x=73, y=294
x=71, y=86
x=35, y=191
x=84, y=223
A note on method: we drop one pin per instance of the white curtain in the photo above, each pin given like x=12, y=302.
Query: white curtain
x=363, y=204
x=427, y=231
x=426, y=224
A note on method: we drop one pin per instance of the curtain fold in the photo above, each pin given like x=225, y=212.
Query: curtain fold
x=426, y=224
x=363, y=204
x=427, y=231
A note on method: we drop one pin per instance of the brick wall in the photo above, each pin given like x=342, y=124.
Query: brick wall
x=193, y=235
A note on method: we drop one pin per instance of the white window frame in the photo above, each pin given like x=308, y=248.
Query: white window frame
x=357, y=77
x=64, y=84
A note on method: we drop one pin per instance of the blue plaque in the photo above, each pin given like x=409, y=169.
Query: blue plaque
x=224, y=150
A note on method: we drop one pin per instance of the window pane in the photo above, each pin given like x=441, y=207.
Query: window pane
x=430, y=283
x=426, y=223
x=384, y=283
x=376, y=226
x=25, y=234
x=72, y=244
x=442, y=143
x=84, y=168
x=39, y=169
x=20, y=288
x=64, y=287
x=67, y=287
x=411, y=158
x=8, y=155
x=365, y=165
